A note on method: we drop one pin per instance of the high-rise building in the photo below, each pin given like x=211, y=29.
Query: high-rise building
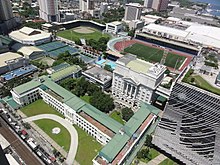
x=49, y=10
x=148, y=3
x=86, y=5
x=135, y=80
x=133, y=11
x=189, y=129
x=7, y=20
x=160, y=5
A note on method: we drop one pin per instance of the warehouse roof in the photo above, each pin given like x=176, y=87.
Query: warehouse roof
x=26, y=50
x=7, y=57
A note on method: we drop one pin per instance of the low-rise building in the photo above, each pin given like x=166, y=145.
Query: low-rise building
x=73, y=71
x=100, y=76
x=135, y=80
x=57, y=67
x=30, y=36
x=136, y=24
x=114, y=27
x=217, y=82
x=10, y=61
x=30, y=52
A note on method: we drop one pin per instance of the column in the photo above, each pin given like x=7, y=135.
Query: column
x=126, y=89
x=131, y=91
x=135, y=92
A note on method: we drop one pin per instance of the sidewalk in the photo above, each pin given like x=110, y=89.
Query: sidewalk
x=157, y=160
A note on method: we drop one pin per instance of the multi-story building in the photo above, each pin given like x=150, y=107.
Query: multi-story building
x=114, y=27
x=135, y=80
x=86, y=5
x=122, y=139
x=148, y=3
x=189, y=129
x=7, y=21
x=133, y=11
x=160, y=5
x=48, y=10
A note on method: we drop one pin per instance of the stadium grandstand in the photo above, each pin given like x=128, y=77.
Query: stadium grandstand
x=53, y=49
x=77, y=23
x=189, y=129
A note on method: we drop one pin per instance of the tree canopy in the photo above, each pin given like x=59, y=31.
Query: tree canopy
x=127, y=113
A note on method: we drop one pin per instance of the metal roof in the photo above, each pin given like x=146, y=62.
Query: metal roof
x=111, y=150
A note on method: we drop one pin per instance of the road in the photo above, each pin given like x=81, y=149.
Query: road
x=25, y=154
x=73, y=133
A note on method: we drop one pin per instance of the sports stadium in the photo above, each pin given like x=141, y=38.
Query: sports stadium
x=175, y=59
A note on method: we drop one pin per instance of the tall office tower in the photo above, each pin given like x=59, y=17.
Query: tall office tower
x=190, y=127
x=133, y=11
x=85, y=5
x=7, y=20
x=148, y=3
x=48, y=10
x=160, y=5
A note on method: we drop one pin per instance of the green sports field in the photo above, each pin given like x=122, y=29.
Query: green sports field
x=154, y=55
x=82, y=32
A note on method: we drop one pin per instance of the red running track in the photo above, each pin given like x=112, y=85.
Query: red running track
x=120, y=46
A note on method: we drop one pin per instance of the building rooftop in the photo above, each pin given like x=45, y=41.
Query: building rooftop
x=26, y=50
x=115, y=23
x=111, y=150
x=29, y=34
x=3, y=142
x=134, y=5
x=70, y=100
x=139, y=66
x=58, y=75
x=4, y=57
x=99, y=73
x=58, y=67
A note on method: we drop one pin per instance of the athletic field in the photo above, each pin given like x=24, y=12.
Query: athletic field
x=152, y=54
x=82, y=32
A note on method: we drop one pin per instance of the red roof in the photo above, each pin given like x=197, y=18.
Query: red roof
x=24, y=132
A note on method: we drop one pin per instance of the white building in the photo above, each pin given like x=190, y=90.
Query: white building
x=189, y=33
x=48, y=10
x=114, y=27
x=10, y=61
x=86, y=5
x=75, y=110
x=133, y=11
x=148, y=3
x=135, y=80
x=30, y=36
x=136, y=24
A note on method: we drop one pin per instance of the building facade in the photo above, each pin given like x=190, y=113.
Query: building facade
x=86, y=5
x=114, y=27
x=133, y=11
x=189, y=129
x=7, y=20
x=135, y=80
x=48, y=10
x=160, y=5
x=148, y=3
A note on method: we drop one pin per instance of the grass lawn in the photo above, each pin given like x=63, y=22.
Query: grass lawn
x=70, y=34
x=86, y=98
x=63, y=138
x=154, y=55
x=88, y=147
x=152, y=154
x=117, y=116
x=39, y=107
x=168, y=162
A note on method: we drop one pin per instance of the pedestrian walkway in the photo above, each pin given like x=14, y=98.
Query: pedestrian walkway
x=157, y=160
x=73, y=133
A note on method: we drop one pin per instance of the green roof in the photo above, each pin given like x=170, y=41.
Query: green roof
x=161, y=99
x=139, y=66
x=10, y=101
x=5, y=40
x=65, y=72
x=60, y=66
x=111, y=150
x=27, y=86
x=71, y=100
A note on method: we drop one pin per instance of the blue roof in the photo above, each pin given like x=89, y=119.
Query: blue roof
x=19, y=72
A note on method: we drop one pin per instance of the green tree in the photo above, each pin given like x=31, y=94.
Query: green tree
x=127, y=113
x=143, y=154
x=148, y=141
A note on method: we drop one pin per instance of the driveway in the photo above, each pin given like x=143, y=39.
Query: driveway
x=73, y=133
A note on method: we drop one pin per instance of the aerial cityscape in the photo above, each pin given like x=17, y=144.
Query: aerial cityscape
x=109, y=82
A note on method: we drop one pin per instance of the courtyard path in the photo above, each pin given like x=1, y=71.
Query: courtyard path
x=73, y=133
